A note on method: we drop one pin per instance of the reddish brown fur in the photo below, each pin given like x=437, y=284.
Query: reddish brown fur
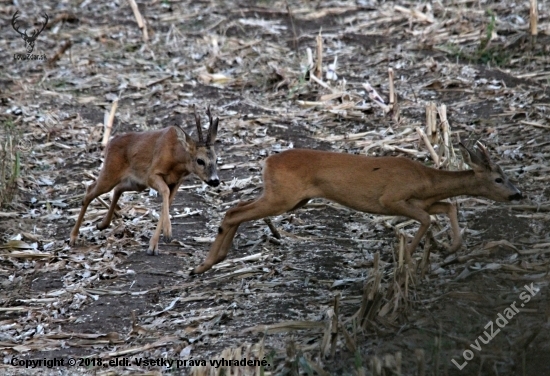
x=159, y=159
x=384, y=185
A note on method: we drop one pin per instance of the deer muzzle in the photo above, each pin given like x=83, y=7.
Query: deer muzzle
x=516, y=196
x=213, y=182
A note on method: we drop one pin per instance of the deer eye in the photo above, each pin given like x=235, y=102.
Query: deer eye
x=499, y=180
x=200, y=162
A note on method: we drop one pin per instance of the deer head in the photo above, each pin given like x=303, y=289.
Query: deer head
x=204, y=161
x=492, y=180
x=29, y=39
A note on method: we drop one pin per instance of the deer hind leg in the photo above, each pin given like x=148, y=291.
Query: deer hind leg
x=97, y=188
x=164, y=225
x=226, y=232
x=225, y=237
x=122, y=187
x=243, y=212
x=173, y=190
x=452, y=213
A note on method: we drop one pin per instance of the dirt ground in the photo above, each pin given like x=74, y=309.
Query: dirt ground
x=329, y=297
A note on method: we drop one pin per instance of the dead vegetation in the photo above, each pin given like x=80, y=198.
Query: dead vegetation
x=332, y=295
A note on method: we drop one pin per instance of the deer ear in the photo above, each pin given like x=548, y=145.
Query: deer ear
x=190, y=143
x=473, y=159
x=483, y=154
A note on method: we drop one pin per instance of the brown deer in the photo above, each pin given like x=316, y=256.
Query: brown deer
x=378, y=185
x=159, y=159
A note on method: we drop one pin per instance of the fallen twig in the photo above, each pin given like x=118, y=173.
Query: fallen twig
x=319, y=63
x=273, y=229
x=295, y=37
x=429, y=146
x=58, y=54
x=139, y=19
x=109, y=123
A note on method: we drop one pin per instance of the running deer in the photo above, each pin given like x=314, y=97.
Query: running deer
x=158, y=159
x=378, y=185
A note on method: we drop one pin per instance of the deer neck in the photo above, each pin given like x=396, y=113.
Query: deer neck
x=446, y=184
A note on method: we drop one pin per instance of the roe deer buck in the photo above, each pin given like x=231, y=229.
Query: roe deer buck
x=159, y=159
x=378, y=185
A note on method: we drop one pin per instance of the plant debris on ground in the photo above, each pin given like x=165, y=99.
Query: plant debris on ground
x=332, y=295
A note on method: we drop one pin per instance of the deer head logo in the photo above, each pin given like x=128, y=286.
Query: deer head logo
x=29, y=39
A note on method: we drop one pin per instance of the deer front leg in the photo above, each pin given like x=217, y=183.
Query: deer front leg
x=409, y=210
x=168, y=231
x=452, y=213
x=156, y=182
x=173, y=192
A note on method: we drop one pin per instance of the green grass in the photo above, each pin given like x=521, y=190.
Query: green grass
x=298, y=87
x=484, y=53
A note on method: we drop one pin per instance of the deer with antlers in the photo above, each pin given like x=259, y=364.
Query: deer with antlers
x=158, y=159
x=29, y=39
x=379, y=185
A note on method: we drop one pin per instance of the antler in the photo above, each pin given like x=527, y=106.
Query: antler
x=35, y=34
x=208, y=137
x=198, y=122
x=14, y=24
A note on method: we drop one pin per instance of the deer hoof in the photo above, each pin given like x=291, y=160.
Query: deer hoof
x=101, y=226
x=153, y=252
x=450, y=249
x=167, y=238
x=200, y=269
x=454, y=247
